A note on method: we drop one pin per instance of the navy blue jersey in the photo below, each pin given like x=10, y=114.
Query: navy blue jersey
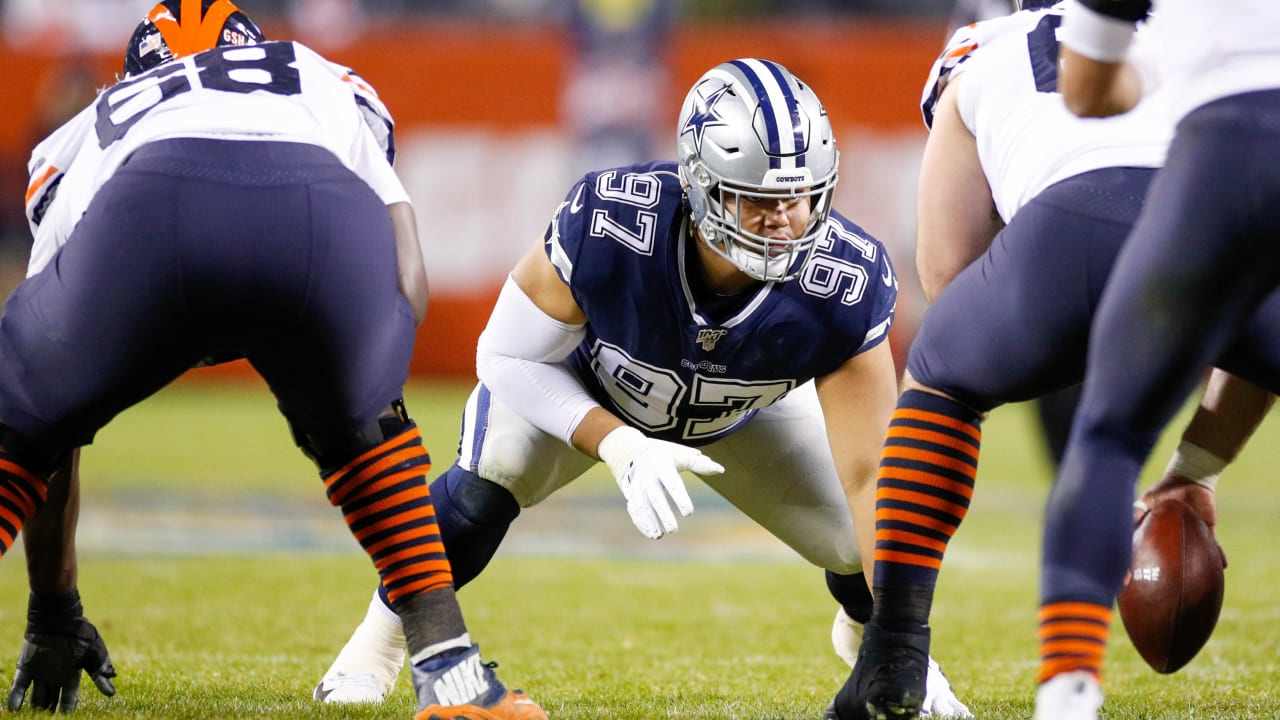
x=657, y=357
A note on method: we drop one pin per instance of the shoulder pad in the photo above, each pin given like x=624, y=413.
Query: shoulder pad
x=611, y=215
x=962, y=46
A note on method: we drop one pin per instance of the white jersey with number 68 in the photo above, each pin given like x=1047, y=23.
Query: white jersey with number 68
x=277, y=91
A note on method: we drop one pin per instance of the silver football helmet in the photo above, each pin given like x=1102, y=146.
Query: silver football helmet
x=751, y=129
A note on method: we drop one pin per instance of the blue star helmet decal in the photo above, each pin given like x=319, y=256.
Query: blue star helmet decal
x=704, y=114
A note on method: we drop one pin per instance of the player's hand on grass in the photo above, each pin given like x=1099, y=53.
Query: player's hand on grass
x=60, y=643
x=648, y=472
x=1199, y=497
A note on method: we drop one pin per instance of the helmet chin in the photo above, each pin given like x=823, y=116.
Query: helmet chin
x=760, y=268
x=777, y=268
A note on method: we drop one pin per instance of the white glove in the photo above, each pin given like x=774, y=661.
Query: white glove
x=645, y=468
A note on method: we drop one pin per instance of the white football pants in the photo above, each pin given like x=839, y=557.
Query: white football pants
x=778, y=470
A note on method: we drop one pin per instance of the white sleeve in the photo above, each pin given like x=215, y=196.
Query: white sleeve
x=370, y=163
x=51, y=235
x=520, y=357
x=49, y=162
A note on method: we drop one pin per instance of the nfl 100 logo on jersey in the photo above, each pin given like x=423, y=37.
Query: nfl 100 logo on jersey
x=708, y=337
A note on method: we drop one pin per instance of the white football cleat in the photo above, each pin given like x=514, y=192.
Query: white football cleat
x=1069, y=696
x=940, y=700
x=344, y=689
x=366, y=669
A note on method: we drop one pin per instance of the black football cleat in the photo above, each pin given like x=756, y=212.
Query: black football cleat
x=888, y=681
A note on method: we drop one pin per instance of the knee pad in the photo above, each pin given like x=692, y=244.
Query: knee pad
x=481, y=501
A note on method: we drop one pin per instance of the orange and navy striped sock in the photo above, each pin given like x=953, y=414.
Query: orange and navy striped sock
x=22, y=493
x=384, y=497
x=927, y=466
x=1073, y=636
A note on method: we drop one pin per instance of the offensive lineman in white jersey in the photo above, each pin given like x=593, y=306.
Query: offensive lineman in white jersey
x=1022, y=210
x=1201, y=260
x=228, y=202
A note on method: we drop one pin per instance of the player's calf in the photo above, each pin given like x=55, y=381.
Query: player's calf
x=385, y=500
x=927, y=469
x=925, y=482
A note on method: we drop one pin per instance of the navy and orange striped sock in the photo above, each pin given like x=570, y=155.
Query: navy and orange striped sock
x=927, y=467
x=22, y=493
x=386, y=502
x=1073, y=636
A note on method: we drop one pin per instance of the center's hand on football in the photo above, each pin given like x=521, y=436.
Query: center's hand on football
x=648, y=472
x=1199, y=497
x=54, y=653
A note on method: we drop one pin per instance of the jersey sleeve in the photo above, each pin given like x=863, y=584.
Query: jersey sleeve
x=566, y=233
x=611, y=228
x=374, y=112
x=50, y=161
x=884, y=304
x=60, y=218
x=370, y=163
x=947, y=67
x=855, y=326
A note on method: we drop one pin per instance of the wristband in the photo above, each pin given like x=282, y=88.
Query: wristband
x=52, y=612
x=1094, y=35
x=1196, y=464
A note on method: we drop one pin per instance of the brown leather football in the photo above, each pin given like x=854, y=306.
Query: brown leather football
x=1173, y=592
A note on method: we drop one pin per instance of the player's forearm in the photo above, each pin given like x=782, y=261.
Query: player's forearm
x=1094, y=89
x=521, y=358
x=862, y=502
x=1229, y=413
x=413, y=271
x=594, y=427
x=49, y=538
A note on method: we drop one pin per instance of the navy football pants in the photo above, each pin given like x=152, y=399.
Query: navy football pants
x=1015, y=324
x=196, y=248
x=1203, y=257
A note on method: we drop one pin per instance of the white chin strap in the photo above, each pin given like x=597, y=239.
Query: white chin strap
x=756, y=266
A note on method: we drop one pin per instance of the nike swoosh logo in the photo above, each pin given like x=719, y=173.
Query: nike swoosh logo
x=887, y=277
x=576, y=205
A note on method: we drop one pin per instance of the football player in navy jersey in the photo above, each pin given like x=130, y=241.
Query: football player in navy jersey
x=714, y=303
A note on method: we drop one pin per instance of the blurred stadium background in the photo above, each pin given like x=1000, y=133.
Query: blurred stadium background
x=197, y=499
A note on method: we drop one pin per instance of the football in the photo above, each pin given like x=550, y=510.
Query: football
x=1173, y=592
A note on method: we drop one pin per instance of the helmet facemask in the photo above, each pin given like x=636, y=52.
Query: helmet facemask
x=716, y=206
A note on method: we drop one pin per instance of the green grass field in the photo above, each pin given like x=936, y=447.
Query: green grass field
x=633, y=631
